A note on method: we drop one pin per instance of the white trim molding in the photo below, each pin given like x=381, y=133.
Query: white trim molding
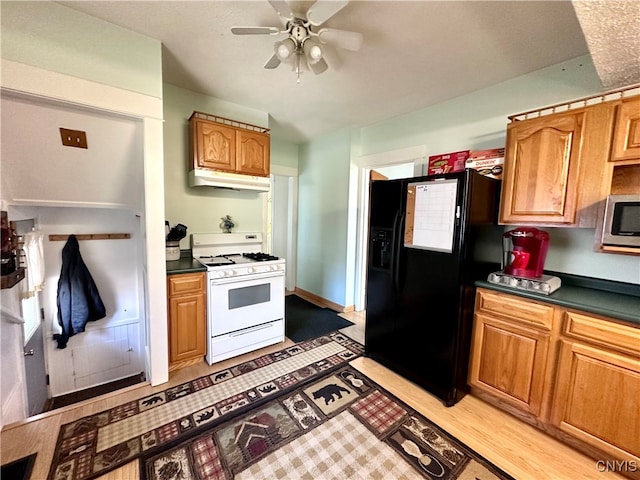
x=365, y=164
x=47, y=86
x=35, y=81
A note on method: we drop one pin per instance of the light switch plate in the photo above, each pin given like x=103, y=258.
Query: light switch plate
x=73, y=138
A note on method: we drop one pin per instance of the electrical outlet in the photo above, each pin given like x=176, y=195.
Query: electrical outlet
x=73, y=138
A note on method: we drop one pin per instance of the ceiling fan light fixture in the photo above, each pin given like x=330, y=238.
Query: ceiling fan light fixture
x=285, y=49
x=312, y=50
x=305, y=46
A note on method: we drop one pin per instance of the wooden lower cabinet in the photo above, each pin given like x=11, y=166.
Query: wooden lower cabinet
x=509, y=361
x=573, y=374
x=186, y=300
x=510, y=352
x=597, y=388
x=597, y=399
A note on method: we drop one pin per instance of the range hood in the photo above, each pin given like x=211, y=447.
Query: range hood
x=200, y=177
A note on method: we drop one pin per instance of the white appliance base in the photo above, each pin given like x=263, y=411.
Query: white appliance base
x=236, y=343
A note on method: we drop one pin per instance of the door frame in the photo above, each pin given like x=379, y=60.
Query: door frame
x=365, y=164
x=34, y=82
x=291, y=221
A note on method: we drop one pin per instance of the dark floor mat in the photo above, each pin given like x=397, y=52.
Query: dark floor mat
x=304, y=320
x=79, y=396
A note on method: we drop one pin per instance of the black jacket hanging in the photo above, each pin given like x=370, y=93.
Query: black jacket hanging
x=78, y=299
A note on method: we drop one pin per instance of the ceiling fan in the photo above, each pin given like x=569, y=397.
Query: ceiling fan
x=305, y=42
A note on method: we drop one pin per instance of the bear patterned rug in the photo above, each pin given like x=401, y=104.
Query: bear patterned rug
x=341, y=426
x=94, y=445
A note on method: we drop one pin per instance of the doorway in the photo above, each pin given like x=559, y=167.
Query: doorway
x=283, y=213
x=407, y=162
x=35, y=363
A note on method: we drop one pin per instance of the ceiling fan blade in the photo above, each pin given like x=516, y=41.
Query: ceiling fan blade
x=273, y=62
x=318, y=67
x=323, y=10
x=255, y=30
x=282, y=8
x=341, y=38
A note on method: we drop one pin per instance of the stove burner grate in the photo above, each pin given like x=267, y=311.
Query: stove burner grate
x=260, y=257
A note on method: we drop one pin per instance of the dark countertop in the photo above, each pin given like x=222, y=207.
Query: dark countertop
x=624, y=306
x=186, y=264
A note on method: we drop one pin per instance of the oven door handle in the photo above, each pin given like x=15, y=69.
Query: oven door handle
x=245, y=278
x=251, y=330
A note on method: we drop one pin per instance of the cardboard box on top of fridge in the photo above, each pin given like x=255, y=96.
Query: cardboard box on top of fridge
x=447, y=162
x=487, y=162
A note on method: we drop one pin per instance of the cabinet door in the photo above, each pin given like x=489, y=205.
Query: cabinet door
x=215, y=146
x=541, y=169
x=509, y=361
x=253, y=153
x=187, y=316
x=626, y=140
x=187, y=327
x=596, y=399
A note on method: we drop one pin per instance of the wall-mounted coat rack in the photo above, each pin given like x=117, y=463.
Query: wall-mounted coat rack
x=91, y=236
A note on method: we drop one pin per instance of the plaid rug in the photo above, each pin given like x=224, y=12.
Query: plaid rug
x=340, y=426
x=94, y=445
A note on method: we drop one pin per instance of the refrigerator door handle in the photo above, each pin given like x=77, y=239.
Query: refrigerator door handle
x=398, y=224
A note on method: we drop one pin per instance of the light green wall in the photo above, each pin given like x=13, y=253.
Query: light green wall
x=474, y=121
x=323, y=179
x=478, y=121
x=201, y=208
x=284, y=154
x=57, y=38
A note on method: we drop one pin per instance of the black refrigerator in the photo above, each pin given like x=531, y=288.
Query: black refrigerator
x=421, y=272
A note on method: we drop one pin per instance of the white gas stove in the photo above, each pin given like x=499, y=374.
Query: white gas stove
x=245, y=294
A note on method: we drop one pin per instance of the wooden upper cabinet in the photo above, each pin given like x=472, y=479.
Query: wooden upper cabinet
x=215, y=146
x=626, y=139
x=226, y=146
x=253, y=153
x=556, y=168
x=543, y=160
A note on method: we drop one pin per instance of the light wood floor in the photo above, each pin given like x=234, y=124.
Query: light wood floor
x=519, y=449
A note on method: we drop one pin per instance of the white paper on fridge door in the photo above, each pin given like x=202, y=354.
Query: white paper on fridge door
x=435, y=215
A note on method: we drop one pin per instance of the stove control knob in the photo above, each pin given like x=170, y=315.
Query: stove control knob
x=251, y=270
x=222, y=274
x=513, y=282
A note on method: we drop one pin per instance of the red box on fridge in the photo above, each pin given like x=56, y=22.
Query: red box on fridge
x=447, y=162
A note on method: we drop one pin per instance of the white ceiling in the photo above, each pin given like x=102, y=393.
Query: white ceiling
x=415, y=54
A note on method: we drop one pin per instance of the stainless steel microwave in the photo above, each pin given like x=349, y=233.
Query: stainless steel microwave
x=621, y=225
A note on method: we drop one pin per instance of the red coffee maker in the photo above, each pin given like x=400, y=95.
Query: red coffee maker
x=524, y=250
